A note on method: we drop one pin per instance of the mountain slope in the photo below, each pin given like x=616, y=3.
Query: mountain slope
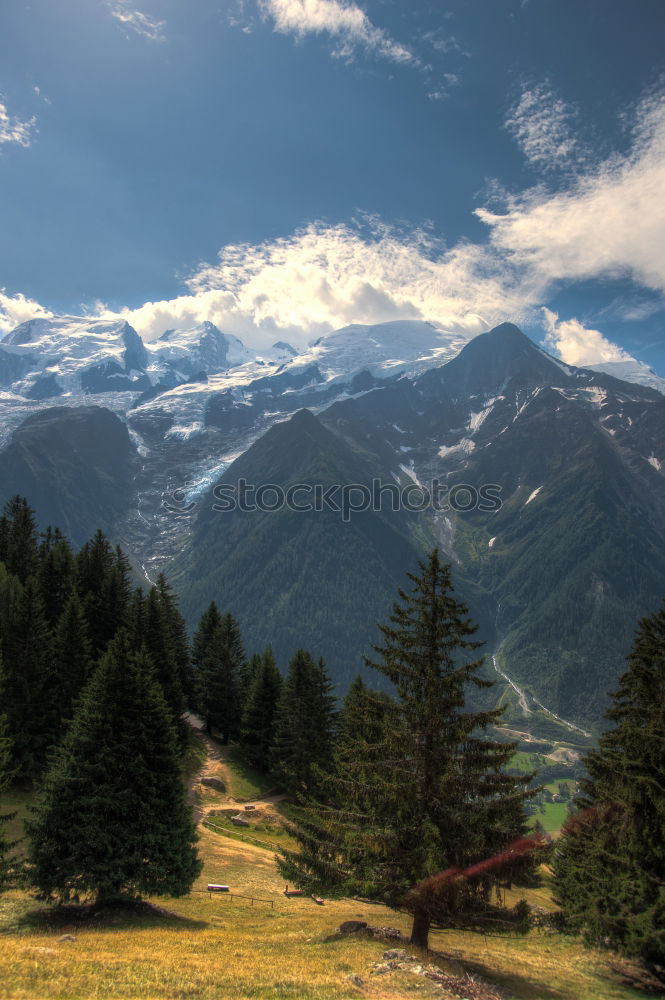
x=298, y=578
x=75, y=465
x=576, y=553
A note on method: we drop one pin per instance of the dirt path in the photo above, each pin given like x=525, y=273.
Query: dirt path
x=215, y=765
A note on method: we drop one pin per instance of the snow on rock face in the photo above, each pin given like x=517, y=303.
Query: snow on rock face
x=201, y=349
x=632, y=371
x=73, y=353
x=383, y=349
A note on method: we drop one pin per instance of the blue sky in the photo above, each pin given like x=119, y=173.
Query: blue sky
x=285, y=167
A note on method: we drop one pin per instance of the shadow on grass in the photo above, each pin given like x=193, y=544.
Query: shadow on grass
x=518, y=985
x=122, y=914
x=247, y=783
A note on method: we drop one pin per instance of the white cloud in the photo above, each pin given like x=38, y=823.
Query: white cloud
x=609, y=223
x=541, y=124
x=15, y=130
x=346, y=23
x=578, y=345
x=15, y=309
x=325, y=277
x=142, y=24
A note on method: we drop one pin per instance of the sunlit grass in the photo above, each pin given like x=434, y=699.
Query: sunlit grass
x=214, y=947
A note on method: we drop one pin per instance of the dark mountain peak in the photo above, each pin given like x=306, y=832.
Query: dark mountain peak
x=303, y=420
x=491, y=361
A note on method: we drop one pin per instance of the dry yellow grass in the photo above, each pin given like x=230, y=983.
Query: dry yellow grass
x=230, y=948
x=274, y=949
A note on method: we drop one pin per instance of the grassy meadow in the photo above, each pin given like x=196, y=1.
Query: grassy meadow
x=206, y=948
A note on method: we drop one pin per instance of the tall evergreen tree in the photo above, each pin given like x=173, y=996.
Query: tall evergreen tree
x=21, y=545
x=219, y=691
x=112, y=818
x=610, y=861
x=177, y=629
x=420, y=789
x=5, y=777
x=259, y=715
x=104, y=583
x=136, y=617
x=208, y=623
x=159, y=643
x=23, y=682
x=70, y=667
x=57, y=575
x=4, y=538
x=362, y=714
x=304, y=725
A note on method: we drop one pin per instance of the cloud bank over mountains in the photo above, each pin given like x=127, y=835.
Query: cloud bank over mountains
x=605, y=223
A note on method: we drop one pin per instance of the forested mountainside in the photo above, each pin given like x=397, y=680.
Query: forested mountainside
x=556, y=574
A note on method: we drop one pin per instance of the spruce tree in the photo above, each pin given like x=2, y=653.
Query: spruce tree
x=610, y=861
x=258, y=720
x=57, y=575
x=175, y=623
x=112, y=820
x=209, y=621
x=71, y=664
x=159, y=643
x=219, y=691
x=22, y=556
x=5, y=778
x=304, y=725
x=27, y=659
x=104, y=583
x=420, y=788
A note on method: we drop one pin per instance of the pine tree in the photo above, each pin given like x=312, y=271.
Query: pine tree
x=304, y=725
x=159, y=643
x=136, y=618
x=57, y=575
x=5, y=777
x=219, y=694
x=258, y=720
x=21, y=543
x=112, y=818
x=208, y=623
x=70, y=667
x=104, y=584
x=27, y=658
x=610, y=861
x=420, y=789
x=177, y=629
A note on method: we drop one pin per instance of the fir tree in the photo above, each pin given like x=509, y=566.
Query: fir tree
x=419, y=789
x=57, y=575
x=104, y=583
x=362, y=714
x=610, y=861
x=304, y=725
x=208, y=623
x=175, y=623
x=71, y=665
x=112, y=818
x=21, y=542
x=24, y=680
x=5, y=778
x=159, y=643
x=219, y=693
x=136, y=617
x=258, y=720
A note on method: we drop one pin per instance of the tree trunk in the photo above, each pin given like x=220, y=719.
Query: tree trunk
x=420, y=929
